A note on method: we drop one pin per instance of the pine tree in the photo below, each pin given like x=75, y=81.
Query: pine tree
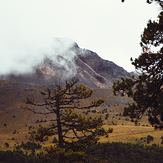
x=67, y=105
x=146, y=88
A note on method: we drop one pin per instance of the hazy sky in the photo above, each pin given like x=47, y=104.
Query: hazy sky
x=108, y=27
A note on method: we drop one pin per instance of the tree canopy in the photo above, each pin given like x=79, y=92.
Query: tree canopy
x=66, y=104
x=146, y=87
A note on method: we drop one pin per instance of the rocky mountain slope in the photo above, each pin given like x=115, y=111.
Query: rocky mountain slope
x=101, y=73
x=86, y=65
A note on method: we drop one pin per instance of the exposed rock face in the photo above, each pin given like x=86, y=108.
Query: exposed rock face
x=100, y=72
x=86, y=65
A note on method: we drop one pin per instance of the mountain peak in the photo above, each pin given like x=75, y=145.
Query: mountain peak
x=83, y=64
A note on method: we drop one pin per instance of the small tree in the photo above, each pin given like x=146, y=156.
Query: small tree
x=66, y=104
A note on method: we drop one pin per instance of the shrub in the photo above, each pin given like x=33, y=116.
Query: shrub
x=106, y=116
x=7, y=145
x=29, y=146
x=149, y=139
x=14, y=132
x=5, y=125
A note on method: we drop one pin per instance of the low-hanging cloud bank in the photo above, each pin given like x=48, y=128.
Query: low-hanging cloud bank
x=24, y=59
x=27, y=26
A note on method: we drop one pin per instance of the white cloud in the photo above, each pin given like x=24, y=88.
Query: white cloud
x=109, y=27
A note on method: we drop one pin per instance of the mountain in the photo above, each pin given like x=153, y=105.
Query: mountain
x=84, y=64
x=101, y=73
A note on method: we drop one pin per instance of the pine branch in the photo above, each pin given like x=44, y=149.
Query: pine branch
x=37, y=112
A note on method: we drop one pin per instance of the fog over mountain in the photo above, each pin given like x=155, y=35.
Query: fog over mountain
x=24, y=60
x=107, y=27
x=63, y=62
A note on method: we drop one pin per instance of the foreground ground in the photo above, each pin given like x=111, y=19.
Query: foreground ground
x=121, y=133
x=101, y=153
x=133, y=134
x=128, y=142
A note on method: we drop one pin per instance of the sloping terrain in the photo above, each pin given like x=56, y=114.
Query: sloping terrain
x=15, y=120
x=85, y=65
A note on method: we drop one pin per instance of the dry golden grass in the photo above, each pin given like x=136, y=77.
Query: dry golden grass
x=121, y=133
x=11, y=114
x=132, y=134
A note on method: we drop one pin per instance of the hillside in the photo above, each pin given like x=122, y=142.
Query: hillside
x=83, y=64
x=86, y=65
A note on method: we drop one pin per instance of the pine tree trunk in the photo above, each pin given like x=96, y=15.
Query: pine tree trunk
x=59, y=126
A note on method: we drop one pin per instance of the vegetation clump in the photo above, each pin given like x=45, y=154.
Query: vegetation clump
x=146, y=87
x=67, y=124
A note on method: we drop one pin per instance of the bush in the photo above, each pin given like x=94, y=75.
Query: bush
x=149, y=139
x=111, y=152
x=7, y=145
x=12, y=138
x=14, y=132
x=29, y=146
x=161, y=141
x=110, y=130
x=107, y=116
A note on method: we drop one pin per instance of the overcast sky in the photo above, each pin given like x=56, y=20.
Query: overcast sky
x=108, y=27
